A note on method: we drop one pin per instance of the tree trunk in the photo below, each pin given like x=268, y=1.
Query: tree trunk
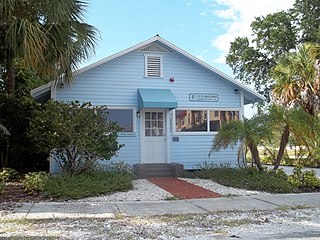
x=283, y=143
x=10, y=78
x=255, y=156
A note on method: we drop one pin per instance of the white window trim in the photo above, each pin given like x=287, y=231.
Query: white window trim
x=134, y=119
x=146, y=65
x=175, y=133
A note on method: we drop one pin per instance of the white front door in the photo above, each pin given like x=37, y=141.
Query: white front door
x=154, y=140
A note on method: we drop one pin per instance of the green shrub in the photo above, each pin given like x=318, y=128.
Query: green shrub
x=248, y=178
x=35, y=181
x=119, y=167
x=301, y=178
x=7, y=174
x=76, y=132
x=91, y=183
x=280, y=173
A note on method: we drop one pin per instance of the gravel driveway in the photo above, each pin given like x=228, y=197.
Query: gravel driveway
x=279, y=224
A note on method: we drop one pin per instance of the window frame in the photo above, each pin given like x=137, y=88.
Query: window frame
x=134, y=119
x=146, y=65
x=208, y=132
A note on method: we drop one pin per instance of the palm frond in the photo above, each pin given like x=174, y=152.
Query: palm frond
x=4, y=130
x=50, y=37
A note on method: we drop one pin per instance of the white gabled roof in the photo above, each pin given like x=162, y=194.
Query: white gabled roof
x=255, y=97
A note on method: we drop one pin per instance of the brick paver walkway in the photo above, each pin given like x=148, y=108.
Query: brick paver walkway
x=183, y=189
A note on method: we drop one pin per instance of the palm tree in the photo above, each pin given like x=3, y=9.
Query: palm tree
x=47, y=36
x=247, y=134
x=297, y=79
x=281, y=121
x=297, y=85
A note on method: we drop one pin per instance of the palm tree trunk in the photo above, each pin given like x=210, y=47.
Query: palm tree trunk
x=10, y=80
x=255, y=156
x=283, y=143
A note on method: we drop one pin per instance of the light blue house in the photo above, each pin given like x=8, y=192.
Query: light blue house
x=169, y=103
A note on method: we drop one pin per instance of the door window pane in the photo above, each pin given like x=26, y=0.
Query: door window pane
x=148, y=132
x=154, y=115
x=155, y=126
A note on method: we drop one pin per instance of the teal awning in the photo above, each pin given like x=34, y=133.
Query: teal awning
x=156, y=98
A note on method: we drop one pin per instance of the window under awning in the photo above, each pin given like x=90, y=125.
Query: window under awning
x=156, y=98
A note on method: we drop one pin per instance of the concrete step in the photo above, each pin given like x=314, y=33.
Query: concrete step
x=158, y=170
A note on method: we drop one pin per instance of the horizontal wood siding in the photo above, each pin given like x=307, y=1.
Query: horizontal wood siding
x=190, y=78
x=130, y=152
x=116, y=83
x=194, y=150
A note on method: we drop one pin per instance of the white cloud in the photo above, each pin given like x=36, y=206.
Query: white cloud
x=189, y=4
x=239, y=15
x=226, y=14
x=203, y=13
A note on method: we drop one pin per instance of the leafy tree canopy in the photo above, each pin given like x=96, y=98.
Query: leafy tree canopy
x=273, y=35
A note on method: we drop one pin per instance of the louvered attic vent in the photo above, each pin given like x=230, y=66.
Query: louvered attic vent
x=153, y=66
x=152, y=48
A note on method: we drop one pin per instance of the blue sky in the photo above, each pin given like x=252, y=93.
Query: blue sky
x=204, y=28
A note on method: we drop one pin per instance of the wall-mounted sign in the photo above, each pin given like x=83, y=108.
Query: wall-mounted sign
x=203, y=97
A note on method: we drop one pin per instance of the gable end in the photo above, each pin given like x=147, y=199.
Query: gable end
x=152, y=48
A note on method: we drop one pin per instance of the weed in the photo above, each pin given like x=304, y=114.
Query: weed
x=171, y=198
x=229, y=195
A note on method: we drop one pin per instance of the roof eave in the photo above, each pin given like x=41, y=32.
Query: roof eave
x=39, y=90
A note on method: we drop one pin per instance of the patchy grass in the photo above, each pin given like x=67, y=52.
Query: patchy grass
x=171, y=198
x=20, y=221
x=88, y=184
x=247, y=178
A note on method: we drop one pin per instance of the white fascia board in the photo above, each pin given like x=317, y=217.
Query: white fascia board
x=39, y=90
